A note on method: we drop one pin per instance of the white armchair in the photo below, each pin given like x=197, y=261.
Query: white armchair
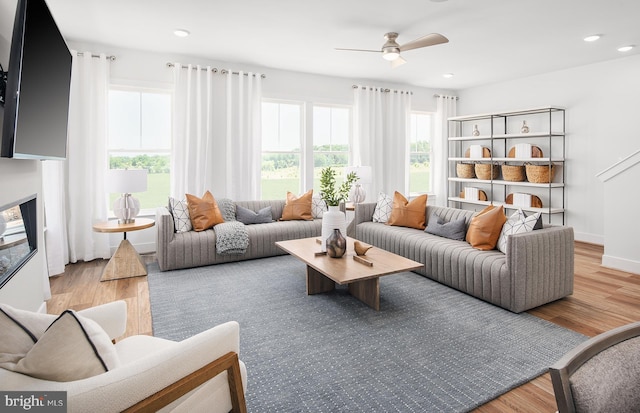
x=201, y=373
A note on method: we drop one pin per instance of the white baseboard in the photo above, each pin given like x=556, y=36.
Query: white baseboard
x=43, y=308
x=590, y=238
x=621, y=264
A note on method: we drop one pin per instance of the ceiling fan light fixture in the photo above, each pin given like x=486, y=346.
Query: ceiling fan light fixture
x=391, y=54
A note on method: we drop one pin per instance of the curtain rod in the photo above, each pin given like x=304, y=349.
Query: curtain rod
x=215, y=70
x=445, y=96
x=112, y=58
x=385, y=90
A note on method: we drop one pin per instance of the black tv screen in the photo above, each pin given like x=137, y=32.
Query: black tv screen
x=36, y=108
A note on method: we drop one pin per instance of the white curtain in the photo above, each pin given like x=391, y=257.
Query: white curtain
x=216, y=133
x=380, y=138
x=243, y=135
x=74, y=190
x=193, y=153
x=446, y=108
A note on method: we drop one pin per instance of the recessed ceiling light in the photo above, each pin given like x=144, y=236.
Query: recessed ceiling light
x=181, y=32
x=592, y=38
x=625, y=48
x=448, y=75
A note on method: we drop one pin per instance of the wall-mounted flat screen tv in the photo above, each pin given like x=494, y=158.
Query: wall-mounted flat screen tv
x=38, y=78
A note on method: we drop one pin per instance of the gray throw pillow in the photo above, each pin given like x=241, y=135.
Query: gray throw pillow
x=227, y=209
x=456, y=230
x=248, y=217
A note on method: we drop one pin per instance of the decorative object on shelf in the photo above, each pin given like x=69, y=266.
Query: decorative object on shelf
x=475, y=132
x=524, y=128
x=487, y=171
x=513, y=173
x=512, y=199
x=480, y=195
x=126, y=182
x=486, y=152
x=540, y=174
x=360, y=248
x=336, y=244
x=333, y=218
x=465, y=170
x=358, y=194
x=517, y=152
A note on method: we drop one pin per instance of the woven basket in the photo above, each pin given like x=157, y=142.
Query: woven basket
x=465, y=170
x=513, y=173
x=540, y=174
x=484, y=171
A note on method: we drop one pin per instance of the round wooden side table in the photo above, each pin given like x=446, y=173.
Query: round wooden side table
x=126, y=261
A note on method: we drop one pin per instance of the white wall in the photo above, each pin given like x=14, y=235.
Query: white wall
x=601, y=123
x=22, y=178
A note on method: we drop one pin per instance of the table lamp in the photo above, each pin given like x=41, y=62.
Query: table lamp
x=358, y=194
x=126, y=182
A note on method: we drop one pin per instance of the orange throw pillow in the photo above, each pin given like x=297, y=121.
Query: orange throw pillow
x=484, y=228
x=204, y=212
x=297, y=208
x=408, y=214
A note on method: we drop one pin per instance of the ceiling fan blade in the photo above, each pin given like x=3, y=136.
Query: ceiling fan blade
x=356, y=50
x=424, y=41
x=398, y=62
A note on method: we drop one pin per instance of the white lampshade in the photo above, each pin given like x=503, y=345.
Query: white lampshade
x=363, y=173
x=127, y=181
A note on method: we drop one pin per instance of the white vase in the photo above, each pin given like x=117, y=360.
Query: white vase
x=332, y=219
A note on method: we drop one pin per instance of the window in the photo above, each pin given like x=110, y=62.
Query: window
x=420, y=152
x=282, y=132
x=140, y=138
x=330, y=141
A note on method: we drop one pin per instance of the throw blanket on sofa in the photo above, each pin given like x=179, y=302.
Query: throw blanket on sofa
x=231, y=238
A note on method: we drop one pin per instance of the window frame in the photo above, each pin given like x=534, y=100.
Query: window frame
x=428, y=153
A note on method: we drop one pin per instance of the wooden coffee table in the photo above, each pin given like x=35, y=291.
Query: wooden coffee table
x=324, y=272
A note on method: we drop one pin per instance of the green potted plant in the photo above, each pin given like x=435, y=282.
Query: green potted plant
x=328, y=191
x=334, y=218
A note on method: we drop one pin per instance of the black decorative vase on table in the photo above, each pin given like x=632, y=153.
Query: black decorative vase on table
x=336, y=244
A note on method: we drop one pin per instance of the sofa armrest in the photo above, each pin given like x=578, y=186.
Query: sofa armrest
x=164, y=235
x=363, y=213
x=112, y=317
x=541, y=264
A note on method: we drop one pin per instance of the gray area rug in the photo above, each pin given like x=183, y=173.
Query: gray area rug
x=429, y=349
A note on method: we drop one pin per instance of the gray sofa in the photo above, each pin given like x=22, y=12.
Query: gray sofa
x=194, y=249
x=536, y=269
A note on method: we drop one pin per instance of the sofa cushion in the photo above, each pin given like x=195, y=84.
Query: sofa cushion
x=248, y=217
x=484, y=229
x=456, y=229
x=297, y=208
x=408, y=213
x=180, y=212
x=227, y=209
x=517, y=223
x=204, y=212
x=382, y=212
x=20, y=331
x=71, y=348
x=318, y=207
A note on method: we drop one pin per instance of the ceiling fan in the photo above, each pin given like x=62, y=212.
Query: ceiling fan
x=391, y=49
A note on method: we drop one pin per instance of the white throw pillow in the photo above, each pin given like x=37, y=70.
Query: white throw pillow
x=318, y=207
x=382, y=212
x=517, y=223
x=180, y=213
x=70, y=348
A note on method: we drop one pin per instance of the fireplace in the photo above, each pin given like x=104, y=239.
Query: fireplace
x=18, y=236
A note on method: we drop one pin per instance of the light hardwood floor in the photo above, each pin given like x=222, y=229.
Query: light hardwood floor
x=603, y=299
